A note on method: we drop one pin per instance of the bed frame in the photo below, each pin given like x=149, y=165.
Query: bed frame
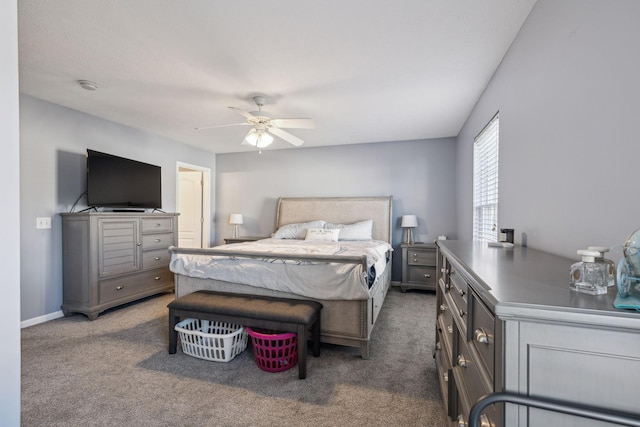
x=344, y=322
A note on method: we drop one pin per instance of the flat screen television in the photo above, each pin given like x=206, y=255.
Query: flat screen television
x=116, y=182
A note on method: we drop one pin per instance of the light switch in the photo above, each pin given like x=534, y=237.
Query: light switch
x=43, y=222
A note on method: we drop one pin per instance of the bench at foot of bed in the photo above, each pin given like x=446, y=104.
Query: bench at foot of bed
x=255, y=311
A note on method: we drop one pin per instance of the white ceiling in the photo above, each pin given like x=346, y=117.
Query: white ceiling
x=364, y=70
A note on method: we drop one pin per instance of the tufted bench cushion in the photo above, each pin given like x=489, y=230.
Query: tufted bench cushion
x=256, y=311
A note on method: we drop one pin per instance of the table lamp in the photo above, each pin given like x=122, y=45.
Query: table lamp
x=409, y=222
x=235, y=220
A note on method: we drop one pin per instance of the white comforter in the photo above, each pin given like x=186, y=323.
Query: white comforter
x=319, y=280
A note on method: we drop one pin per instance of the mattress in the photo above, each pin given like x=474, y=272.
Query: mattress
x=290, y=266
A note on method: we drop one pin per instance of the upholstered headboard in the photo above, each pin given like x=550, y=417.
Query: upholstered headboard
x=342, y=210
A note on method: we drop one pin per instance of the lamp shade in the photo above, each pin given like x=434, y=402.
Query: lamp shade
x=409, y=221
x=235, y=219
x=258, y=138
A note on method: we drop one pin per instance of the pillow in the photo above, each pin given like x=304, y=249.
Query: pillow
x=325, y=234
x=361, y=230
x=297, y=230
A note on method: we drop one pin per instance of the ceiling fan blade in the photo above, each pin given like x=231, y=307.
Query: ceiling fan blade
x=244, y=113
x=223, y=126
x=286, y=136
x=293, y=123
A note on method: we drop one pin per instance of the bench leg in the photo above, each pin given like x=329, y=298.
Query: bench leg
x=315, y=337
x=173, y=334
x=302, y=351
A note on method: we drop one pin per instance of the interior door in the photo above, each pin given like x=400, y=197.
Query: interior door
x=190, y=220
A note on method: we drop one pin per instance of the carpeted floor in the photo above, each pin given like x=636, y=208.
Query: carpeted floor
x=115, y=371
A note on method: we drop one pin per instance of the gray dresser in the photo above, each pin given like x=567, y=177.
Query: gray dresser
x=507, y=321
x=111, y=259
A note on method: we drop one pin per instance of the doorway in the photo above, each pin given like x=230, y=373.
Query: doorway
x=193, y=203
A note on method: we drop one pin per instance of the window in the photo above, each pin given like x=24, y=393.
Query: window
x=485, y=182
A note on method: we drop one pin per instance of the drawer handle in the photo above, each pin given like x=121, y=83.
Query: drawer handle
x=427, y=276
x=484, y=421
x=157, y=277
x=462, y=313
x=157, y=224
x=119, y=287
x=461, y=422
x=461, y=292
x=445, y=377
x=438, y=346
x=444, y=270
x=139, y=243
x=462, y=362
x=447, y=286
x=157, y=258
x=450, y=329
x=158, y=240
x=481, y=336
x=443, y=307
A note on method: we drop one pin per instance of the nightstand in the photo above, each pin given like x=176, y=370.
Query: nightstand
x=418, y=266
x=228, y=240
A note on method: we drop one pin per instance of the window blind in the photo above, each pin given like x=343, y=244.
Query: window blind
x=485, y=182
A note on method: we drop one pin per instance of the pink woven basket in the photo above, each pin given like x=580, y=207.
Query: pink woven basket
x=274, y=352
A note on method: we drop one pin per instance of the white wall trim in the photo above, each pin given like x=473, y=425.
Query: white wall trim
x=41, y=319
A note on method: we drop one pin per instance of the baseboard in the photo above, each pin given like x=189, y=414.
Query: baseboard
x=41, y=319
x=393, y=283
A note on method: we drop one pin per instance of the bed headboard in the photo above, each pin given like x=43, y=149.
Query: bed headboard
x=342, y=210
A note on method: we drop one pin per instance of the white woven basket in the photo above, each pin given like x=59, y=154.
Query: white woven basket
x=209, y=340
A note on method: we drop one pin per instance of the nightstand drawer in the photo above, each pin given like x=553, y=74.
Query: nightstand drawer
x=426, y=275
x=421, y=257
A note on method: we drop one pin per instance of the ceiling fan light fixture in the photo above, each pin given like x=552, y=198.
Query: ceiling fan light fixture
x=258, y=138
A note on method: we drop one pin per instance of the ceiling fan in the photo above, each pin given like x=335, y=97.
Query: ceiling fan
x=264, y=126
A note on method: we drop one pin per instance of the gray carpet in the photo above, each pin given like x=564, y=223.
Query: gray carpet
x=115, y=371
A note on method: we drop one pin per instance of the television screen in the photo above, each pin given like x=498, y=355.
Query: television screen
x=117, y=182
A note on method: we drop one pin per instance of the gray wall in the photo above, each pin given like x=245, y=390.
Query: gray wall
x=10, y=217
x=53, y=143
x=420, y=175
x=567, y=92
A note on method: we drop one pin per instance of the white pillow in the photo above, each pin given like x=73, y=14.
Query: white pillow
x=361, y=230
x=325, y=234
x=296, y=230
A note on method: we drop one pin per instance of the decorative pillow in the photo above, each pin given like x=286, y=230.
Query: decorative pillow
x=297, y=230
x=326, y=234
x=361, y=230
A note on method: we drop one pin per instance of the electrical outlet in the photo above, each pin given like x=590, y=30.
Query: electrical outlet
x=43, y=222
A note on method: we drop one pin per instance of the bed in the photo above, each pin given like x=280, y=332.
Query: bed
x=348, y=315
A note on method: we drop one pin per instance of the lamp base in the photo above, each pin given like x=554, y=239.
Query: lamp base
x=235, y=232
x=409, y=237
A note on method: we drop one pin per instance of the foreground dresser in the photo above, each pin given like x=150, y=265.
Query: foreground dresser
x=507, y=321
x=111, y=259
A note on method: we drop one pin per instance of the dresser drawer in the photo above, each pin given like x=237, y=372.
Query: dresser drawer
x=444, y=372
x=155, y=259
x=483, y=333
x=157, y=225
x=466, y=367
x=426, y=275
x=421, y=257
x=459, y=294
x=156, y=241
x=115, y=289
